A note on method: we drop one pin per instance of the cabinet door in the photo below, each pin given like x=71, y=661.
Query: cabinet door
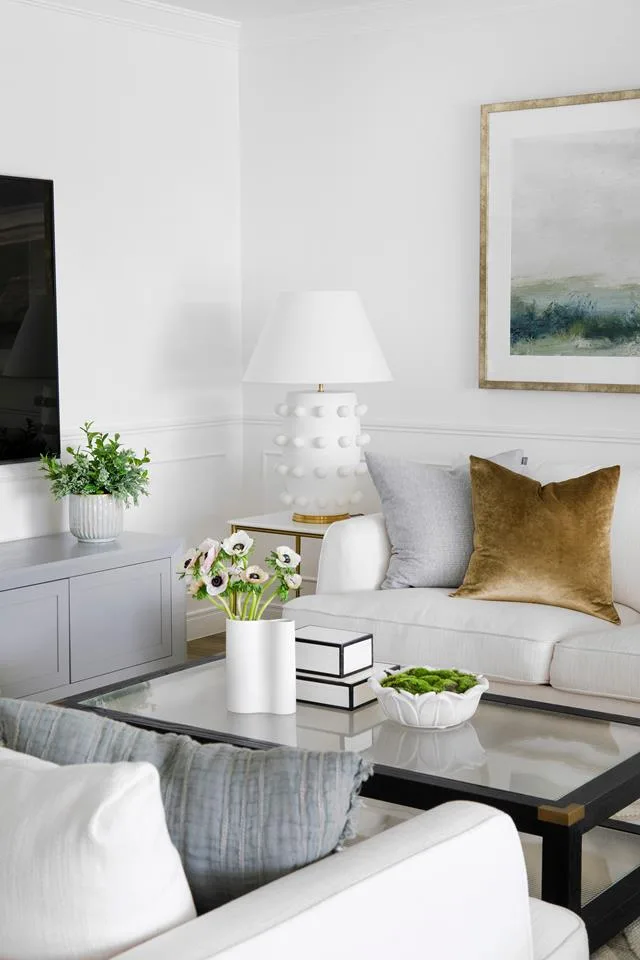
x=34, y=638
x=120, y=618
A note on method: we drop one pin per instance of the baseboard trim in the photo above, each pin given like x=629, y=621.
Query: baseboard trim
x=204, y=623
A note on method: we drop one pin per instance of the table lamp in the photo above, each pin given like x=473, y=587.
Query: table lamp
x=319, y=337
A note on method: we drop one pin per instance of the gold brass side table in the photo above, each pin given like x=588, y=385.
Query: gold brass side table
x=282, y=525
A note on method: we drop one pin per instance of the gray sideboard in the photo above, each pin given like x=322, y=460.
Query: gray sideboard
x=74, y=616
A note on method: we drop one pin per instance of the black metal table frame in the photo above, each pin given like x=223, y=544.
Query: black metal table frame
x=561, y=824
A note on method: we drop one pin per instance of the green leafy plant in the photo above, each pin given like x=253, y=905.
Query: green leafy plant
x=103, y=466
x=220, y=572
x=419, y=680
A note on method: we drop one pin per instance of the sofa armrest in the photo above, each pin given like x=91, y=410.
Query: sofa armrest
x=355, y=555
x=454, y=875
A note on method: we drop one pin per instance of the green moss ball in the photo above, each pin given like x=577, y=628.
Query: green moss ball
x=419, y=680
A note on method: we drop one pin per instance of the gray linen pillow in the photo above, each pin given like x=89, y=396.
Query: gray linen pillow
x=238, y=818
x=429, y=518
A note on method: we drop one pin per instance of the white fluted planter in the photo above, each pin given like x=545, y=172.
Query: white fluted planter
x=261, y=666
x=95, y=518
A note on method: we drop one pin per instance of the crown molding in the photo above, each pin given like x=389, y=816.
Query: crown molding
x=150, y=15
x=390, y=16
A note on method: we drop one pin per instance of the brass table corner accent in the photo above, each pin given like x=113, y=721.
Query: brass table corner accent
x=563, y=816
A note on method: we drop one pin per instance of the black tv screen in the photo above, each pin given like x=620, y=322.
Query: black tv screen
x=29, y=407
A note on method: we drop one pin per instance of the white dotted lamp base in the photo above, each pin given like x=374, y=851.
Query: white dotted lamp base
x=321, y=445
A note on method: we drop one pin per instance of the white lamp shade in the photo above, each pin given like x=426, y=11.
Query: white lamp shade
x=320, y=336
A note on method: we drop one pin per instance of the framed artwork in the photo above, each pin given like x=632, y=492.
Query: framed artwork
x=560, y=244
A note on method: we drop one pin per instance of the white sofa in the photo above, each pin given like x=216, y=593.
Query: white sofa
x=530, y=650
x=450, y=882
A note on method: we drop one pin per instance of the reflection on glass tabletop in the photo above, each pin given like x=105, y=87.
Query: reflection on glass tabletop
x=520, y=749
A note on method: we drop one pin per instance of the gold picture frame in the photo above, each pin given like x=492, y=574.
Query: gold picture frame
x=486, y=379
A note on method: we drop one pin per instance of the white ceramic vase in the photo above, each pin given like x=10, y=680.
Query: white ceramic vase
x=95, y=518
x=261, y=666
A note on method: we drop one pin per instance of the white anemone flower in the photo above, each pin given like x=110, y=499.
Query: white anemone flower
x=286, y=557
x=235, y=574
x=208, y=544
x=255, y=574
x=218, y=583
x=238, y=544
x=189, y=561
x=194, y=586
x=210, y=550
x=293, y=580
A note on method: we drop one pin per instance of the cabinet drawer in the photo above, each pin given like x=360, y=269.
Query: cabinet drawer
x=120, y=618
x=34, y=638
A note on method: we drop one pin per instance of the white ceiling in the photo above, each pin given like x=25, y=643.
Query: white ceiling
x=246, y=10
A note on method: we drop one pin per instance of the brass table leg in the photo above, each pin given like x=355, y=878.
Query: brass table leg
x=234, y=597
x=299, y=552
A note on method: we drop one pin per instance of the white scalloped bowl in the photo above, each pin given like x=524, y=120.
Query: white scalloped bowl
x=428, y=711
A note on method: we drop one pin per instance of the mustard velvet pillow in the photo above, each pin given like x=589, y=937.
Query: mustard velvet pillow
x=542, y=544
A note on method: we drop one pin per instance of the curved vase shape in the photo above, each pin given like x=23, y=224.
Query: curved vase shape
x=261, y=666
x=95, y=518
x=429, y=711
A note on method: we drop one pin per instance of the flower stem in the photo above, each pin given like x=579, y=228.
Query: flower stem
x=222, y=605
x=254, y=606
x=266, y=604
x=241, y=604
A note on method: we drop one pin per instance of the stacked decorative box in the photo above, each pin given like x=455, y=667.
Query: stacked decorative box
x=333, y=666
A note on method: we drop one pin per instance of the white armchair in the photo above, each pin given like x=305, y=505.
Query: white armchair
x=355, y=555
x=450, y=882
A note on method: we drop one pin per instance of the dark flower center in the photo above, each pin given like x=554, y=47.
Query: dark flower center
x=217, y=581
x=286, y=557
x=254, y=576
x=238, y=548
x=187, y=563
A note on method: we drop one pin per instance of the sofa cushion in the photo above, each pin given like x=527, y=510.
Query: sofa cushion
x=625, y=528
x=88, y=869
x=558, y=934
x=605, y=663
x=504, y=640
x=542, y=544
x=239, y=818
x=428, y=515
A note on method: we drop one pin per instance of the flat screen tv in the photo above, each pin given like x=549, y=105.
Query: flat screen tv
x=29, y=407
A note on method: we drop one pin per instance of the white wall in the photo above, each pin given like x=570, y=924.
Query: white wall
x=132, y=110
x=360, y=168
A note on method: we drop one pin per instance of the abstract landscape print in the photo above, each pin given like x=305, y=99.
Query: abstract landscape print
x=575, y=245
x=560, y=244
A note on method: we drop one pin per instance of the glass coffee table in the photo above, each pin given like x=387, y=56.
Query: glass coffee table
x=560, y=773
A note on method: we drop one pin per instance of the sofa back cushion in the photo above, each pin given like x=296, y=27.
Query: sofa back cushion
x=428, y=515
x=625, y=528
x=239, y=818
x=88, y=869
x=548, y=544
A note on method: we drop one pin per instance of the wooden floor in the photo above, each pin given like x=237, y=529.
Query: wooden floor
x=205, y=646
